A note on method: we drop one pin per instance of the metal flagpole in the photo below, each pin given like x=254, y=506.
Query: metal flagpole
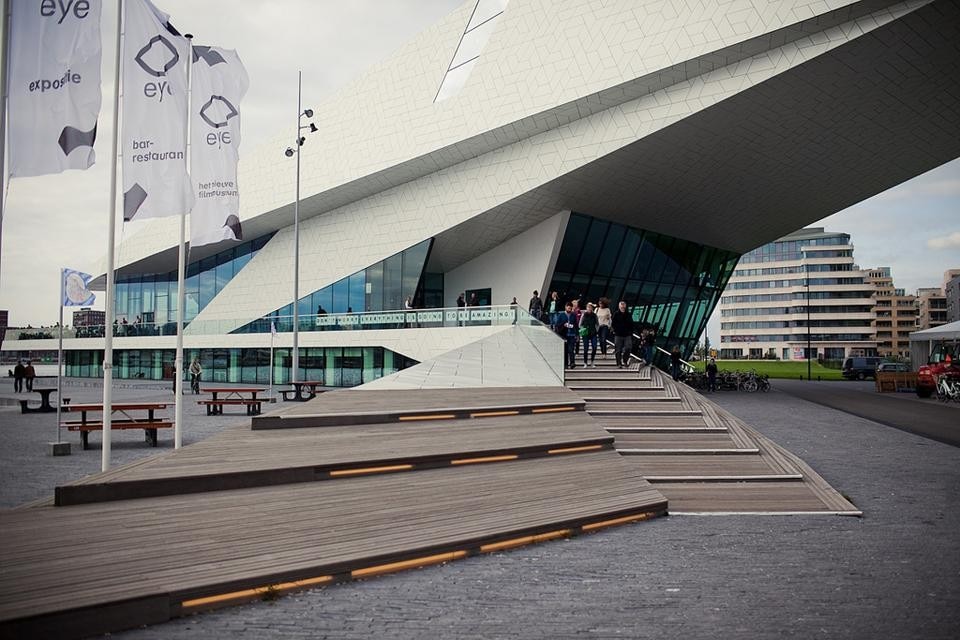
x=273, y=332
x=181, y=273
x=111, y=233
x=60, y=357
x=3, y=111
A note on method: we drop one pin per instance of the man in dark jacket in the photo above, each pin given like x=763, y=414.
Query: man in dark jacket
x=19, y=372
x=622, y=326
x=536, y=306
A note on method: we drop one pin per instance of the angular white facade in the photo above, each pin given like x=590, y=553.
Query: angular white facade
x=723, y=124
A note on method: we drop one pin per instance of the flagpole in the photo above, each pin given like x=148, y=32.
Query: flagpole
x=270, y=369
x=3, y=112
x=181, y=274
x=111, y=233
x=60, y=357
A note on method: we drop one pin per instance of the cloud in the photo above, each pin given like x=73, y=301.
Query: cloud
x=951, y=241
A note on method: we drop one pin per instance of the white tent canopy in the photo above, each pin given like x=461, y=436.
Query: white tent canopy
x=922, y=342
x=949, y=331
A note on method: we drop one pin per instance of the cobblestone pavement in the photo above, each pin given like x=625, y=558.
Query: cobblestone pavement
x=895, y=573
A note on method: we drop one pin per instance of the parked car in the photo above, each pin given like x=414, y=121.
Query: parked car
x=943, y=361
x=860, y=368
x=892, y=366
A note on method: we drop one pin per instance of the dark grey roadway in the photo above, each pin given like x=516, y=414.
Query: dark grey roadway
x=895, y=573
x=927, y=417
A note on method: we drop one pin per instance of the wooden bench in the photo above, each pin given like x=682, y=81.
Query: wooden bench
x=215, y=407
x=149, y=427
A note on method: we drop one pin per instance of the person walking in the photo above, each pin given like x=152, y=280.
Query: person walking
x=711, y=375
x=588, y=331
x=622, y=325
x=461, y=303
x=554, y=310
x=649, y=342
x=675, y=363
x=195, y=372
x=535, y=308
x=569, y=323
x=603, y=328
x=29, y=373
x=19, y=372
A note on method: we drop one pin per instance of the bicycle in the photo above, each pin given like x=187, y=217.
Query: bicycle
x=948, y=389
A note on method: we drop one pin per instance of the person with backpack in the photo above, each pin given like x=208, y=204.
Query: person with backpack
x=195, y=372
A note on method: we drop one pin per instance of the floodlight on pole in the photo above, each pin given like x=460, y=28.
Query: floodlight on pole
x=301, y=113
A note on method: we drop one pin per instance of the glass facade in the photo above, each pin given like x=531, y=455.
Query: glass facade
x=666, y=282
x=334, y=366
x=152, y=298
x=382, y=286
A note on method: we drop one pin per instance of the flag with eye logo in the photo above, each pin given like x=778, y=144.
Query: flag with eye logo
x=219, y=84
x=54, y=86
x=154, y=136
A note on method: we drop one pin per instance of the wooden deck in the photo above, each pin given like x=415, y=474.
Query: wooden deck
x=702, y=458
x=346, y=407
x=232, y=520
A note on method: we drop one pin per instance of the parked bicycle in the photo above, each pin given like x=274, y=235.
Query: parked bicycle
x=749, y=381
x=948, y=388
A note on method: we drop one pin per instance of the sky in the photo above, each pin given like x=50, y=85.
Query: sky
x=58, y=221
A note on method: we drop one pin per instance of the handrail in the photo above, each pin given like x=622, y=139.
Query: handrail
x=690, y=367
x=488, y=315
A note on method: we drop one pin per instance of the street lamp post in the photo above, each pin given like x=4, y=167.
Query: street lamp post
x=298, y=142
x=806, y=269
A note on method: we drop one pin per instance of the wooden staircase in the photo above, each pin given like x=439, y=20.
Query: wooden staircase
x=702, y=458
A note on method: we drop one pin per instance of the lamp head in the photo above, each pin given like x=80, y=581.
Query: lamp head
x=288, y=152
x=313, y=128
x=308, y=113
x=301, y=141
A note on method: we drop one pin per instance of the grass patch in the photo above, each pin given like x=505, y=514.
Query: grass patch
x=790, y=369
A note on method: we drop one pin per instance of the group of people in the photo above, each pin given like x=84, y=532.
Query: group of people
x=23, y=374
x=592, y=324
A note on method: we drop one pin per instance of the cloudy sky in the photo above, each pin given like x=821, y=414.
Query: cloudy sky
x=60, y=221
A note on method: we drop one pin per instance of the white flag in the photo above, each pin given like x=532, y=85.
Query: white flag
x=155, y=180
x=54, y=85
x=73, y=288
x=219, y=84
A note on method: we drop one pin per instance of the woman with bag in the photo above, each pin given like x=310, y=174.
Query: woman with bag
x=588, y=333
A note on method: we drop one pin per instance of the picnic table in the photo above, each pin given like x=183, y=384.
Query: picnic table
x=244, y=396
x=301, y=392
x=45, y=405
x=124, y=415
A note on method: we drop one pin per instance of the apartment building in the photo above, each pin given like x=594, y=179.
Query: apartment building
x=931, y=308
x=804, y=287
x=951, y=292
x=895, y=314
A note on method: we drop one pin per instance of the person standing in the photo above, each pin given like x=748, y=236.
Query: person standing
x=554, y=310
x=712, y=375
x=675, y=363
x=588, y=331
x=649, y=342
x=19, y=372
x=535, y=308
x=569, y=322
x=195, y=372
x=603, y=328
x=29, y=374
x=622, y=325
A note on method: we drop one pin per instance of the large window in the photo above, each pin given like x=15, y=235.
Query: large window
x=334, y=366
x=382, y=286
x=152, y=298
x=668, y=283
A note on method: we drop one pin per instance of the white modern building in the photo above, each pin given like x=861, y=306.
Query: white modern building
x=632, y=149
x=804, y=286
